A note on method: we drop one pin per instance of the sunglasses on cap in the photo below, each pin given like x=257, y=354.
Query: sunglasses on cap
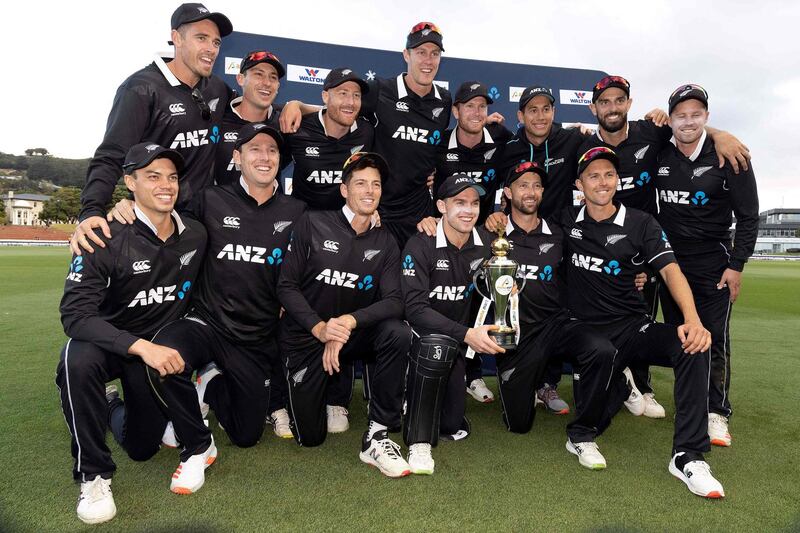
x=609, y=80
x=426, y=25
x=353, y=158
x=594, y=152
x=688, y=87
x=197, y=96
x=261, y=55
x=526, y=166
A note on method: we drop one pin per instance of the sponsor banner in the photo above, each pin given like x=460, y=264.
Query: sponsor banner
x=304, y=74
x=575, y=97
x=514, y=93
x=232, y=65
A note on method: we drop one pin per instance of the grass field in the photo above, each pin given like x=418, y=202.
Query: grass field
x=493, y=481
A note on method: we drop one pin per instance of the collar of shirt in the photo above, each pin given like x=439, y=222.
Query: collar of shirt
x=238, y=100
x=441, y=238
x=147, y=222
x=349, y=215
x=402, y=92
x=162, y=66
x=627, y=128
x=353, y=128
x=698, y=148
x=619, y=218
x=487, y=138
x=542, y=227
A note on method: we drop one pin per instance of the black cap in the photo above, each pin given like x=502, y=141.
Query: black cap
x=187, y=13
x=593, y=154
x=142, y=154
x=261, y=56
x=689, y=91
x=532, y=92
x=523, y=168
x=360, y=160
x=424, y=32
x=341, y=75
x=608, y=82
x=472, y=89
x=457, y=183
x=249, y=131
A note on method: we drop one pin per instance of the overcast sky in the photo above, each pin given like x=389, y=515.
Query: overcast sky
x=63, y=61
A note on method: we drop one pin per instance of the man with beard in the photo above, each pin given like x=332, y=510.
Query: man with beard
x=697, y=199
x=176, y=103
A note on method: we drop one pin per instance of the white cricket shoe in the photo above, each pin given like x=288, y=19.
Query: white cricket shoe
x=384, y=454
x=191, y=474
x=718, y=430
x=279, y=420
x=588, y=454
x=420, y=459
x=697, y=476
x=337, y=419
x=652, y=409
x=204, y=376
x=96, y=503
x=169, y=438
x=635, y=402
x=478, y=390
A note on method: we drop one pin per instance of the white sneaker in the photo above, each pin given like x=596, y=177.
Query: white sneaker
x=588, y=454
x=191, y=474
x=384, y=454
x=697, y=476
x=478, y=390
x=96, y=503
x=337, y=419
x=420, y=459
x=279, y=420
x=204, y=376
x=169, y=439
x=652, y=409
x=635, y=402
x=718, y=430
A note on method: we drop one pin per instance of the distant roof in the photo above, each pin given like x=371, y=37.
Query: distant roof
x=781, y=211
x=26, y=196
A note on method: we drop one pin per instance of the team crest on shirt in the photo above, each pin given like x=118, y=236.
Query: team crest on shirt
x=212, y=104
x=369, y=254
x=699, y=171
x=436, y=112
x=186, y=258
x=614, y=239
x=546, y=247
x=475, y=264
x=639, y=154
x=488, y=155
x=281, y=225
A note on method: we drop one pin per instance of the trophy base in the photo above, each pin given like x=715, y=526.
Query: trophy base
x=506, y=338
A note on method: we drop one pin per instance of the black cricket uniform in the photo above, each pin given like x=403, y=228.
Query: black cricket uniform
x=480, y=162
x=697, y=199
x=119, y=294
x=153, y=105
x=408, y=129
x=234, y=318
x=438, y=286
x=330, y=271
x=225, y=171
x=603, y=258
x=547, y=334
x=558, y=155
x=319, y=158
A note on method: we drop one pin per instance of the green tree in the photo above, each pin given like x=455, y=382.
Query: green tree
x=65, y=172
x=63, y=206
x=3, y=219
x=120, y=192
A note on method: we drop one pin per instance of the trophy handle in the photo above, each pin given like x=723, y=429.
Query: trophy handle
x=479, y=273
x=524, y=282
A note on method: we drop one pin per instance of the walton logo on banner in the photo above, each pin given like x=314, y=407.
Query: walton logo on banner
x=573, y=97
x=304, y=74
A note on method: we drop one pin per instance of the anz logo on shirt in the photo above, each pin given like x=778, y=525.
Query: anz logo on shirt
x=631, y=182
x=420, y=135
x=408, y=266
x=531, y=272
x=194, y=138
x=683, y=197
x=250, y=254
x=346, y=279
x=596, y=264
x=75, y=268
x=451, y=293
x=159, y=295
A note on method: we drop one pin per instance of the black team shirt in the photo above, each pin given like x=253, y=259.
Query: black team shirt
x=225, y=171
x=437, y=281
x=153, y=105
x=330, y=271
x=247, y=246
x=319, y=158
x=604, y=257
x=480, y=162
x=697, y=199
x=558, y=155
x=408, y=130
x=638, y=162
x=133, y=286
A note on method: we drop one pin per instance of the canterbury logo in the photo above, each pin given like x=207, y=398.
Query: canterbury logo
x=614, y=239
x=452, y=157
x=639, y=154
x=141, y=266
x=312, y=150
x=280, y=226
x=230, y=222
x=401, y=106
x=186, y=258
x=231, y=136
x=331, y=246
x=177, y=109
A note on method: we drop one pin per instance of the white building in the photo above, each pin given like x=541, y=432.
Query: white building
x=23, y=209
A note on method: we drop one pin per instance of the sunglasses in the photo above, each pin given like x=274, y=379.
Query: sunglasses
x=609, y=80
x=353, y=158
x=688, y=87
x=262, y=55
x=594, y=152
x=426, y=25
x=525, y=166
x=197, y=96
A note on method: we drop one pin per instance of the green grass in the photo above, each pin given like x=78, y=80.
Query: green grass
x=493, y=481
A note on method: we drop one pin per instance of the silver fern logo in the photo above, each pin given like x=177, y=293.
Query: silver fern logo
x=614, y=239
x=506, y=375
x=281, y=225
x=475, y=264
x=544, y=248
x=298, y=376
x=699, y=171
x=436, y=112
x=186, y=258
x=369, y=254
x=488, y=155
x=639, y=154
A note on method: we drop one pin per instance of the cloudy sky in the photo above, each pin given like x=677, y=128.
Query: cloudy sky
x=62, y=61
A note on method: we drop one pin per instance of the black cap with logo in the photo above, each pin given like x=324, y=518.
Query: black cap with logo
x=457, y=183
x=341, y=75
x=689, y=91
x=142, y=154
x=523, y=168
x=593, y=154
x=187, y=13
x=472, y=89
x=249, y=131
x=424, y=32
x=608, y=82
x=532, y=92
x=261, y=56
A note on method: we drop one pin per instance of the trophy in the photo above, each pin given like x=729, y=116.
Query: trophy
x=497, y=275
